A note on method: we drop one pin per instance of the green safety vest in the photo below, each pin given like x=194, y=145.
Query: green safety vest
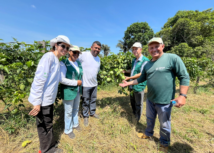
x=141, y=86
x=70, y=92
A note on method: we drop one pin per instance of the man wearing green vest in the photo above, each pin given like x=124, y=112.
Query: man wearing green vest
x=160, y=73
x=137, y=91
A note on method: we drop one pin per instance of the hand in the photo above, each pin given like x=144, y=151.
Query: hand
x=124, y=84
x=79, y=82
x=126, y=79
x=181, y=100
x=35, y=110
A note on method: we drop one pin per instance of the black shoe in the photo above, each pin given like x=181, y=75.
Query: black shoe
x=77, y=128
x=71, y=135
x=95, y=116
x=58, y=150
x=86, y=121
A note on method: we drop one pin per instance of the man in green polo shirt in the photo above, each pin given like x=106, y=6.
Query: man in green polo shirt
x=137, y=91
x=160, y=73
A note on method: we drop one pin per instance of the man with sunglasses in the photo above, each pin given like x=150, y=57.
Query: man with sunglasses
x=91, y=66
x=137, y=91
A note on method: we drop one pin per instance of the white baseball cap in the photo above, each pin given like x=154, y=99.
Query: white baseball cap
x=156, y=39
x=60, y=38
x=137, y=44
x=75, y=48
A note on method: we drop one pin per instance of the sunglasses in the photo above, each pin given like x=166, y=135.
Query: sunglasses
x=76, y=53
x=63, y=46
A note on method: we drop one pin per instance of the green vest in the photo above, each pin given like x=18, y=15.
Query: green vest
x=70, y=92
x=141, y=86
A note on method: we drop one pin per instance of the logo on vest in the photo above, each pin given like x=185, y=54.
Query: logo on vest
x=160, y=68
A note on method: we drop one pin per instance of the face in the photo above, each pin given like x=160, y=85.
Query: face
x=73, y=55
x=95, y=49
x=156, y=50
x=62, y=48
x=136, y=51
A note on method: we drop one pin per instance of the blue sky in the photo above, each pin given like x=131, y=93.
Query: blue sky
x=85, y=21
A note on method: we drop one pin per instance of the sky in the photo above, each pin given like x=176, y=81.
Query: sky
x=85, y=21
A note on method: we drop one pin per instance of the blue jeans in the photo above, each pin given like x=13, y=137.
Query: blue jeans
x=164, y=115
x=71, y=108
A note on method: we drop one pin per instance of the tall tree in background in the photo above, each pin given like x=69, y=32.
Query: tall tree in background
x=122, y=45
x=137, y=32
x=189, y=31
x=106, y=49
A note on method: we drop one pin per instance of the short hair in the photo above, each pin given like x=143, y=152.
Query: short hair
x=57, y=45
x=97, y=42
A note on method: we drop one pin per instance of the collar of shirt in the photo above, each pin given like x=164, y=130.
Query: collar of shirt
x=140, y=59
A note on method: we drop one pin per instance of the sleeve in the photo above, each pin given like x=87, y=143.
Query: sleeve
x=41, y=75
x=141, y=69
x=80, y=59
x=142, y=77
x=63, y=79
x=181, y=71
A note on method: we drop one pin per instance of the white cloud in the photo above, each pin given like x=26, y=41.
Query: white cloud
x=33, y=6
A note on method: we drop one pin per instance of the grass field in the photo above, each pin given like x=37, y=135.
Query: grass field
x=114, y=132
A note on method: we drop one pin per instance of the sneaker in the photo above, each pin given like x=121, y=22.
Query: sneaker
x=163, y=149
x=142, y=136
x=86, y=121
x=77, y=128
x=58, y=151
x=71, y=135
x=95, y=116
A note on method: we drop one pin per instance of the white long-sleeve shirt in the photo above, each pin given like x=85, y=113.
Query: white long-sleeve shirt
x=45, y=84
x=63, y=71
x=91, y=67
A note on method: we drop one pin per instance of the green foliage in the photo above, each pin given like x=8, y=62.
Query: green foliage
x=112, y=67
x=137, y=32
x=191, y=27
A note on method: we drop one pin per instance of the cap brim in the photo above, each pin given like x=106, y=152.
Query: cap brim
x=153, y=42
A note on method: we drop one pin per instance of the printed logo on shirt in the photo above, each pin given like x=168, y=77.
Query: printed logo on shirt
x=160, y=68
x=45, y=75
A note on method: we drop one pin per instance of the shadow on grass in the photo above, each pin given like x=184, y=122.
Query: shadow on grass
x=181, y=148
x=126, y=112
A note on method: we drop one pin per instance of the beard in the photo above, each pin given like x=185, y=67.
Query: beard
x=95, y=53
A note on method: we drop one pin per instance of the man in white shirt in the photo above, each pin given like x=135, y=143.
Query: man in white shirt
x=91, y=66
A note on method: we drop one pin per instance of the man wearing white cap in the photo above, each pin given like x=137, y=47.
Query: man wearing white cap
x=137, y=91
x=160, y=73
x=44, y=90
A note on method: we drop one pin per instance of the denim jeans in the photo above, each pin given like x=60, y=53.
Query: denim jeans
x=71, y=108
x=164, y=115
x=137, y=104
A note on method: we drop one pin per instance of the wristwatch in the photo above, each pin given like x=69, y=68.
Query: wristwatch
x=183, y=95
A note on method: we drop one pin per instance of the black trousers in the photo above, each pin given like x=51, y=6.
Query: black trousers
x=89, y=101
x=137, y=104
x=44, y=122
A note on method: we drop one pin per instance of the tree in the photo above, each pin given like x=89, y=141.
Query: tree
x=191, y=27
x=106, y=49
x=137, y=32
x=123, y=47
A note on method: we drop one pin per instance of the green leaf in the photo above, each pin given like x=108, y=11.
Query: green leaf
x=29, y=63
x=6, y=69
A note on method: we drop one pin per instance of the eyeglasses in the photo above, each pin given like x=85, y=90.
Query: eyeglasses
x=75, y=52
x=63, y=46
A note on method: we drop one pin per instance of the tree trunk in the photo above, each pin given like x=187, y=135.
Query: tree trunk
x=1, y=77
x=196, y=86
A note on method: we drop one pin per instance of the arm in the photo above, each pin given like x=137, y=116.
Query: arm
x=136, y=76
x=64, y=80
x=183, y=76
x=37, y=86
x=142, y=78
x=126, y=71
